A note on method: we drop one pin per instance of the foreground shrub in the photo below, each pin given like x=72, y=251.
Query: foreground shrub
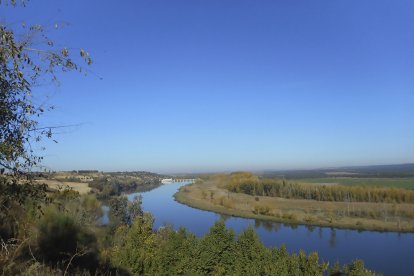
x=61, y=240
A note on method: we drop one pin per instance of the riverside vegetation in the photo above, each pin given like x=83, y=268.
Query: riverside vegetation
x=355, y=207
x=58, y=233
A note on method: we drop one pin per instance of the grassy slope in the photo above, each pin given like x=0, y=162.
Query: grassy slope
x=292, y=210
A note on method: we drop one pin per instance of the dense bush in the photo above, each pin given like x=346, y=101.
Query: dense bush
x=57, y=237
x=60, y=238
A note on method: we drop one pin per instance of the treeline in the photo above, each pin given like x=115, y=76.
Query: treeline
x=252, y=185
x=107, y=187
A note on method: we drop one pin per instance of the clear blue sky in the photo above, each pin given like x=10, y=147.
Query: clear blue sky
x=227, y=85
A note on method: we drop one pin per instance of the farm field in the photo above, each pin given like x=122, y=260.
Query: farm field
x=406, y=182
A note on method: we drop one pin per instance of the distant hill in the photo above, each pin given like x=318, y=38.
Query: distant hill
x=394, y=170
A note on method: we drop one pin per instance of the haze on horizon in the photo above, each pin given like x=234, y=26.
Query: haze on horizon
x=232, y=85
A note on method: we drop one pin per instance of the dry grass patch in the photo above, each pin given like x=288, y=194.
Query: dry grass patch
x=80, y=187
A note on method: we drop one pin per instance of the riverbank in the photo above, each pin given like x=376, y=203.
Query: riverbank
x=208, y=195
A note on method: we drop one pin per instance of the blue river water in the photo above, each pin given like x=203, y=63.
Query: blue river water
x=387, y=252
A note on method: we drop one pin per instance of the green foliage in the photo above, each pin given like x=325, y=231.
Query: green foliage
x=249, y=250
x=118, y=210
x=215, y=252
x=124, y=212
x=135, y=246
x=356, y=268
x=143, y=251
x=175, y=252
x=335, y=270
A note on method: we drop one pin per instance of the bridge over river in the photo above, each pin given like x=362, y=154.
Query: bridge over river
x=172, y=180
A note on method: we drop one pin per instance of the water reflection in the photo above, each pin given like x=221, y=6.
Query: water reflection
x=332, y=239
x=257, y=223
x=269, y=226
x=224, y=217
x=310, y=228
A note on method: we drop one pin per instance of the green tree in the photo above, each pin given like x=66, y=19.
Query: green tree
x=215, y=252
x=124, y=212
x=135, y=246
x=357, y=268
x=249, y=254
x=118, y=210
x=175, y=252
x=23, y=65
